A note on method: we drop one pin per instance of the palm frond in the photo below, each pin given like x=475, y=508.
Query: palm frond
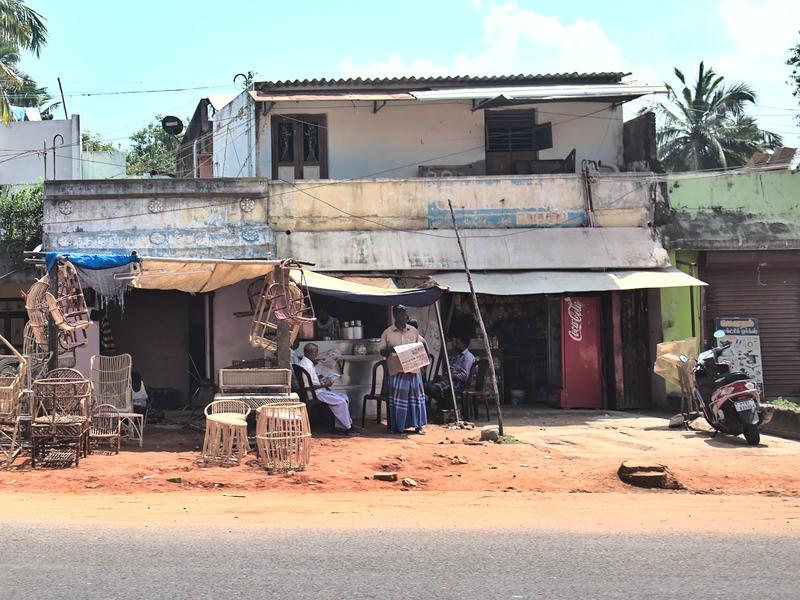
x=22, y=26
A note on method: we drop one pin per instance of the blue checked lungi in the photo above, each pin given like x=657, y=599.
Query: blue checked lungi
x=407, y=401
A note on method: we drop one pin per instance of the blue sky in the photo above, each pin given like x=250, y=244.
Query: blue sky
x=102, y=46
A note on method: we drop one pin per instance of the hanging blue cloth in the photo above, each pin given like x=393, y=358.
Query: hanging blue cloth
x=92, y=261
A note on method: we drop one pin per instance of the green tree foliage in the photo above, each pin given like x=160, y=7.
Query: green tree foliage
x=706, y=127
x=21, y=219
x=794, y=80
x=152, y=150
x=92, y=142
x=21, y=28
x=28, y=93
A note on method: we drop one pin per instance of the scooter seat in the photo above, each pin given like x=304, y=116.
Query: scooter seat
x=730, y=378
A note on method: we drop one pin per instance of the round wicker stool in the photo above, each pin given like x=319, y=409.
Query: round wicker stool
x=226, y=438
x=283, y=437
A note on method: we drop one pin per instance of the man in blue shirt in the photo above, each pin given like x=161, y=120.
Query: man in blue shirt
x=460, y=365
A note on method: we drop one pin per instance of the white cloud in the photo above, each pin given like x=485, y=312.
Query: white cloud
x=762, y=31
x=515, y=40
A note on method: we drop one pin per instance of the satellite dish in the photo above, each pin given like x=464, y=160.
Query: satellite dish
x=172, y=125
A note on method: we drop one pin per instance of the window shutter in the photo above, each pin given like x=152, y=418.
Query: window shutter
x=543, y=136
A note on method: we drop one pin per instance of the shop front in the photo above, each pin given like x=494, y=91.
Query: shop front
x=570, y=339
x=762, y=290
x=352, y=311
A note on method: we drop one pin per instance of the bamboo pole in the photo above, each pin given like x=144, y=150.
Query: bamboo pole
x=446, y=360
x=284, y=337
x=52, y=331
x=476, y=306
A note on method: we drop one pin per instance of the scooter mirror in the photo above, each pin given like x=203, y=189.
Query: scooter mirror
x=719, y=334
x=684, y=358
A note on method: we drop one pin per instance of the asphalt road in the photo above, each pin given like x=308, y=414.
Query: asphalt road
x=163, y=562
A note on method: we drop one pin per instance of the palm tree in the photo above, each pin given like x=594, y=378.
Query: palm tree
x=26, y=91
x=706, y=127
x=21, y=28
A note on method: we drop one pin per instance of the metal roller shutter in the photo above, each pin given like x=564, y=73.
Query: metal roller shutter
x=770, y=293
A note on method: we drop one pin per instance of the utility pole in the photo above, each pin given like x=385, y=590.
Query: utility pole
x=476, y=306
x=63, y=101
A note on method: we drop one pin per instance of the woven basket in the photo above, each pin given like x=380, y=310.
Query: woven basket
x=283, y=437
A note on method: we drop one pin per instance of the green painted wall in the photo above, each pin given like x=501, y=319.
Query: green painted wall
x=678, y=320
x=676, y=303
x=740, y=211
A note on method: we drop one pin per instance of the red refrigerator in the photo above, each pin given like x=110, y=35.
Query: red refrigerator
x=575, y=379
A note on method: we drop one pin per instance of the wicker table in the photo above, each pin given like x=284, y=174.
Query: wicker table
x=283, y=437
x=256, y=401
x=226, y=438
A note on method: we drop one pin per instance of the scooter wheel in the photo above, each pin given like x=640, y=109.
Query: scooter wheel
x=751, y=434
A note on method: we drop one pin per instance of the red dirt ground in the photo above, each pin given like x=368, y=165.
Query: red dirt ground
x=576, y=451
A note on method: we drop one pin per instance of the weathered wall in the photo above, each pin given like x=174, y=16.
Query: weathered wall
x=159, y=217
x=21, y=145
x=102, y=164
x=231, y=333
x=403, y=135
x=742, y=211
x=479, y=202
x=235, y=139
x=553, y=248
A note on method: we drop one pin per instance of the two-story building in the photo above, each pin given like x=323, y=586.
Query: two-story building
x=553, y=194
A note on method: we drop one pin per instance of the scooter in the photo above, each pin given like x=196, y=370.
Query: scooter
x=730, y=401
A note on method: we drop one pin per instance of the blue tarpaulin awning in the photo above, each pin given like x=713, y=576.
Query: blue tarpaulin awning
x=91, y=261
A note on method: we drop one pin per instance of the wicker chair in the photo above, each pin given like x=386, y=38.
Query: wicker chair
x=264, y=326
x=111, y=382
x=105, y=426
x=11, y=387
x=60, y=414
x=226, y=431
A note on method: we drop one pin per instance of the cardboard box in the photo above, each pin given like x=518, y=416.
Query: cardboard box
x=413, y=357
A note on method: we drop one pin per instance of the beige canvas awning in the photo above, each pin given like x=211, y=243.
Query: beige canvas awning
x=512, y=283
x=356, y=291
x=196, y=275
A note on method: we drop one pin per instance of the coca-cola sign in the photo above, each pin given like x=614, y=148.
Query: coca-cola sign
x=575, y=314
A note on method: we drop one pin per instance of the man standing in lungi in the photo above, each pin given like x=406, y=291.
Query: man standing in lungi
x=338, y=402
x=406, y=393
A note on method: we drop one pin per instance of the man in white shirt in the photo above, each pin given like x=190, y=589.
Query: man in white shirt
x=338, y=401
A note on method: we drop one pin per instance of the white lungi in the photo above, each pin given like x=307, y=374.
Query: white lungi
x=340, y=406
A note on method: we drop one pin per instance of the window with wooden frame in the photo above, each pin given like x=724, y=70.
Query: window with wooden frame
x=513, y=136
x=299, y=147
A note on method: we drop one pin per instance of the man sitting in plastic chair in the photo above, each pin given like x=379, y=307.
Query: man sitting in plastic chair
x=338, y=402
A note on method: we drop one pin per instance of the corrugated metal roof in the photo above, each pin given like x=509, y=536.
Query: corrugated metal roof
x=544, y=92
x=338, y=96
x=444, y=81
